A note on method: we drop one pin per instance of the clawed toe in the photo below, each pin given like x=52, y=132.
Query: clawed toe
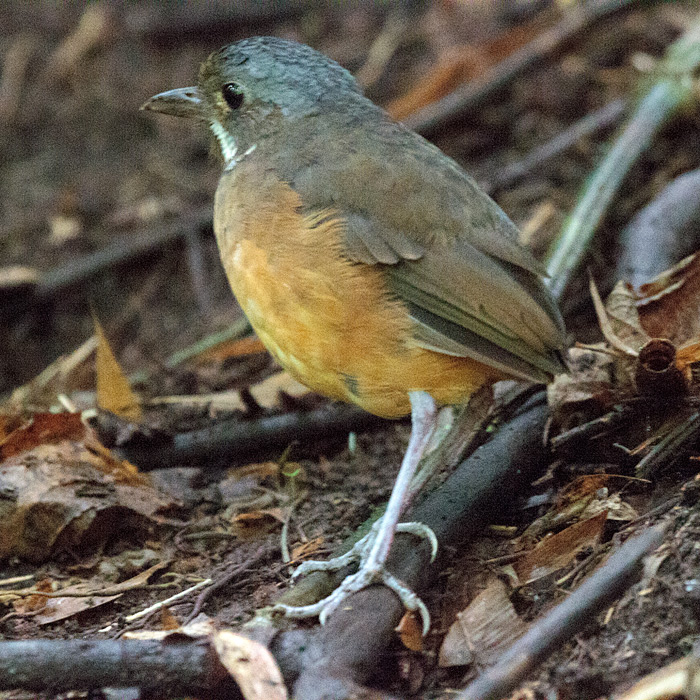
x=352, y=584
x=369, y=573
x=421, y=530
x=361, y=549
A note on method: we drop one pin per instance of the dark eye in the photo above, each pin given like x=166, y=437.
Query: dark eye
x=233, y=95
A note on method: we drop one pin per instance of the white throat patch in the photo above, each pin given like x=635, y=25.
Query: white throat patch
x=229, y=149
x=226, y=143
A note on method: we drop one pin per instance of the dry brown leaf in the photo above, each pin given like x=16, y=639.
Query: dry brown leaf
x=42, y=429
x=410, y=631
x=677, y=680
x=589, y=381
x=554, y=519
x=258, y=470
x=587, y=486
x=557, y=551
x=168, y=621
x=140, y=579
x=487, y=626
x=306, y=549
x=64, y=496
x=621, y=307
x=121, y=470
x=669, y=306
x=267, y=392
x=232, y=348
x=54, y=428
x=617, y=331
x=581, y=487
x=61, y=376
x=257, y=523
x=688, y=355
x=251, y=665
x=57, y=609
x=613, y=505
x=60, y=607
x=36, y=601
x=113, y=390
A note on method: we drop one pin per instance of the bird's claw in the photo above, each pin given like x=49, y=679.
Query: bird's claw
x=361, y=549
x=421, y=530
x=336, y=563
x=365, y=576
x=352, y=584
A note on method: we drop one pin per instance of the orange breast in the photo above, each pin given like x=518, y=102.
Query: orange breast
x=330, y=322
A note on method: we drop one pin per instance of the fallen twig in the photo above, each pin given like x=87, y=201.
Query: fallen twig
x=573, y=438
x=233, y=572
x=671, y=447
x=672, y=87
x=228, y=441
x=575, y=21
x=154, y=23
x=13, y=76
x=50, y=284
x=596, y=121
x=568, y=618
x=197, y=268
x=122, y=250
x=168, y=601
x=48, y=664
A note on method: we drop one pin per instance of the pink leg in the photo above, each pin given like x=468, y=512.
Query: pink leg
x=423, y=413
x=373, y=550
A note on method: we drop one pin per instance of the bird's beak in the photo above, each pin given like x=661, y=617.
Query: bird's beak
x=182, y=102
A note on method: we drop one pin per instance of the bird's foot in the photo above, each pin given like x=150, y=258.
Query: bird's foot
x=353, y=583
x=370, y=572
x=361, y=549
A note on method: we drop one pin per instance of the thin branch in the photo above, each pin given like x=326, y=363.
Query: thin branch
x=47, y=664
x=670, y=448
x=122, y=250
x=672, y=87
x=575, y=21
x=596, y=121
x=568, y=618
x=235, y=439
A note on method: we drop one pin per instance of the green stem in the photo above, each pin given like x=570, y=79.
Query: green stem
x=672, y=86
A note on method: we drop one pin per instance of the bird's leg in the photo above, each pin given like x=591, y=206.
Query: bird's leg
x=423, y=414
x=373, y=550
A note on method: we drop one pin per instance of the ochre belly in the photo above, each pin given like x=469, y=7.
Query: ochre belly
x=328, y=321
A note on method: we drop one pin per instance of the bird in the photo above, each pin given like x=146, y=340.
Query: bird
x=368, y=262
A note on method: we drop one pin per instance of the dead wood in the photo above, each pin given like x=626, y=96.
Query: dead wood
x=575, y=22
x=231, y=440
x=570, y=617
x=174, y=669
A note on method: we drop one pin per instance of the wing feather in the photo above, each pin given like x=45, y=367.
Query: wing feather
x=449, y=251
